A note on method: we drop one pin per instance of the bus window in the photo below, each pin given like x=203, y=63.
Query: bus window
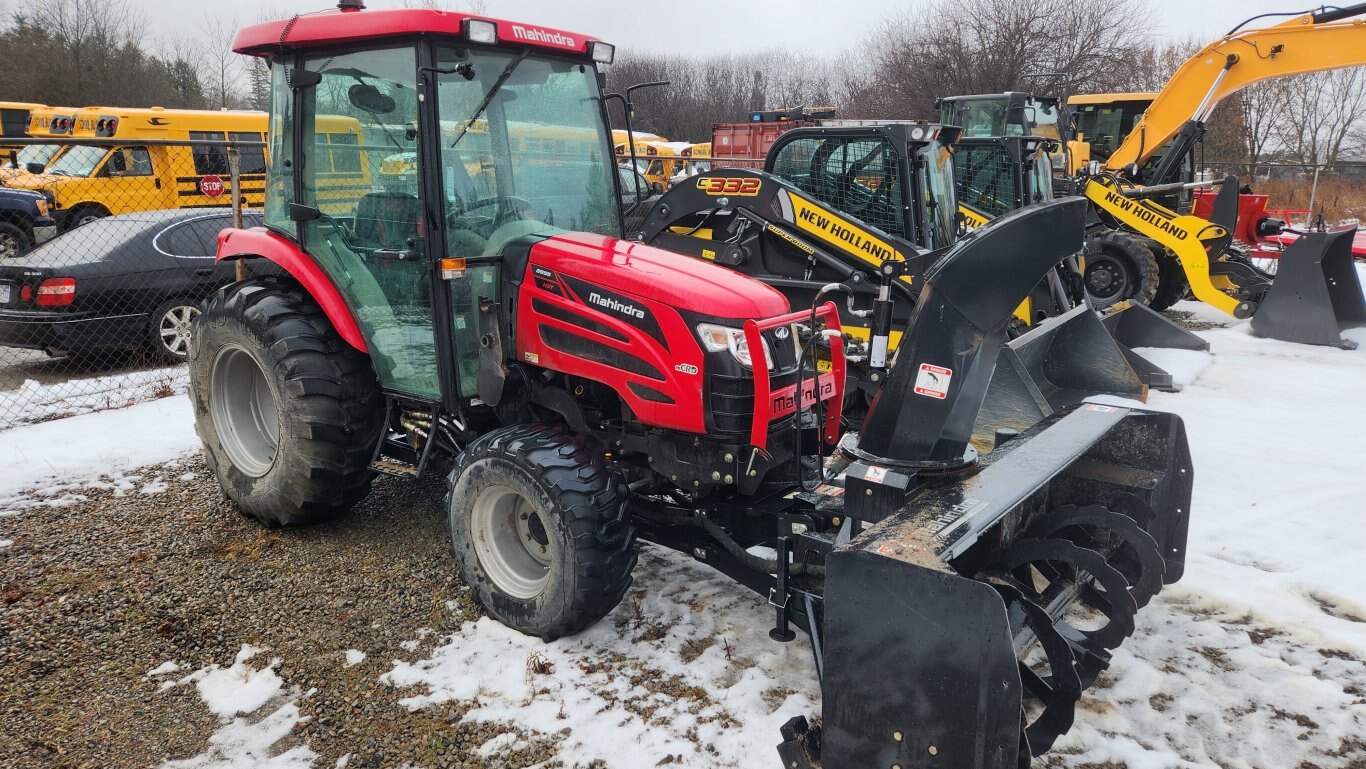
x=208, y=159
x=253, y=158
x=344, y=159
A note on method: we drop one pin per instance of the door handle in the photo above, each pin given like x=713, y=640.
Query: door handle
x=203, y=272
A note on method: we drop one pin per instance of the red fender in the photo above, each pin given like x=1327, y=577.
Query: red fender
x=260, y=242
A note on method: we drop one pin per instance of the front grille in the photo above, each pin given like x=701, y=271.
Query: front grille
x=732, y=399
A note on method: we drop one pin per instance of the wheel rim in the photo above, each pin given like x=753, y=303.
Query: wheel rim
x=87, y=219
x=510, y=541
x=174, y=329
x=9, y=246
x=1106, y=278
x=243, y=411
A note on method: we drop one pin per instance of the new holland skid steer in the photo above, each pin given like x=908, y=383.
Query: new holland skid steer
x=588, y=390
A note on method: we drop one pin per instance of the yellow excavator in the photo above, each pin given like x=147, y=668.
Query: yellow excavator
x=1317, y=289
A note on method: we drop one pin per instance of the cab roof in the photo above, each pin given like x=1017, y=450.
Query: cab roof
x=1082, y=99
x=338, y=27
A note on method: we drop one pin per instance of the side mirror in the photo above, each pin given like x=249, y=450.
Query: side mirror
x=35, y=168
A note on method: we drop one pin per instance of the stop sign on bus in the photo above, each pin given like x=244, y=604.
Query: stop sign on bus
x=211, y=186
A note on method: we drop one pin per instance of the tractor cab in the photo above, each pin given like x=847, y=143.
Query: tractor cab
x=470, y=134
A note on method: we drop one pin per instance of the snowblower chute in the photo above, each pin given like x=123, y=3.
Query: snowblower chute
x=952, y=631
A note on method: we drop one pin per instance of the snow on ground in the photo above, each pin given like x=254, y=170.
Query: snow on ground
x=36, y=402
x=255, y=712
x=683, y=672
x=49, y=463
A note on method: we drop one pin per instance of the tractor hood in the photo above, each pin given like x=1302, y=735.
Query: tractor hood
x=650, y=273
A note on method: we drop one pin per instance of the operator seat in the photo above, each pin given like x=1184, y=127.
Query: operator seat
x=388, y=220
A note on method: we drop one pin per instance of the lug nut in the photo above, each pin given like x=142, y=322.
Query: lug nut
x=731, y=458
x=715, y=476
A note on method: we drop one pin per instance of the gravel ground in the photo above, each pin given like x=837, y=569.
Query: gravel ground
x=95, y=595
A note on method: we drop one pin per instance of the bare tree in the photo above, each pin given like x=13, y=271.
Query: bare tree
x=1320, y=113
x=223, y=72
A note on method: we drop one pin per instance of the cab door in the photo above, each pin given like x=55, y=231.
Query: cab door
x=372, y=242
x=130, y=182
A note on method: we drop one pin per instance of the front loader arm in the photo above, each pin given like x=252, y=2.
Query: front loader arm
x=1311, y=42
x=1190, y=238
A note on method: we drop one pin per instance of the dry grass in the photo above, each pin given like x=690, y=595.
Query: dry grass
x=1337, y=197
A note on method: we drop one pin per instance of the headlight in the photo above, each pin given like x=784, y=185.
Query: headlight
x=41, y=203
x=717, y=338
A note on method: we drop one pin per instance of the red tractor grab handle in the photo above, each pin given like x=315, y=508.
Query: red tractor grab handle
x=770, y=404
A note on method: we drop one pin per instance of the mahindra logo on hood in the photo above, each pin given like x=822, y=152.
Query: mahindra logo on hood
x=616, y=305
x=535, y=35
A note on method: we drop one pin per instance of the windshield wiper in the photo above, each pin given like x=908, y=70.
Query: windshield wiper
x=488, y=98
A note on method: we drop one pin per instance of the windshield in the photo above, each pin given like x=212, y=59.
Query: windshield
x=78, y=161
x=37, y=153
x=937, y=170
x=530, y=151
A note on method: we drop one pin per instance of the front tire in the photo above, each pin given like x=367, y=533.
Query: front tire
x=1119, y=267
x=1173, y=285
x=540, y=530
x=287, y=411
x=13, y=240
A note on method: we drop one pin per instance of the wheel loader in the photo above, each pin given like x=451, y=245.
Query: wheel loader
x=590, y=392
x=1136, y=187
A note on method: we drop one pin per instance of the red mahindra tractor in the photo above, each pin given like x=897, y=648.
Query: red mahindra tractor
x=473, y=306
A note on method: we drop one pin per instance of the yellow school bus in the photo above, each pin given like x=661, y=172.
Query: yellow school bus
x=43, y=122
x=92, y=181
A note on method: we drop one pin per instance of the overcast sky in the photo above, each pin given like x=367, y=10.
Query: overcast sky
x=709, y=26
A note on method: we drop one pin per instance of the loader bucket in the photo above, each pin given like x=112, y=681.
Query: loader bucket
x=1059, y=363
x=1136, y=325
x=942, y=650
x=1316, y=292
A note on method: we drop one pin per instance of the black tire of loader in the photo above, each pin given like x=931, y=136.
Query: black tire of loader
x=1136, y=259
x=1172, y=282
x=326, y=395
x=583, y=510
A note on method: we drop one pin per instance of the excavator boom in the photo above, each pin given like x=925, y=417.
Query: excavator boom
x=1310, y=42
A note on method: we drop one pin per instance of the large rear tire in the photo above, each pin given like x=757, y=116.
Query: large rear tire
x=1119, y=267
x=287, y=411
x=540, y=529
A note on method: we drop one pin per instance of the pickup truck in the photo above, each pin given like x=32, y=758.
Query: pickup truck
x=24, y=221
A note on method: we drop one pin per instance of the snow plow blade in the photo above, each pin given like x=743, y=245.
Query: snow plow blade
x=1316, y=293
x=1056, y=364
x=929, y=613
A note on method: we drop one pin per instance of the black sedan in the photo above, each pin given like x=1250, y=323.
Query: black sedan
x=120, y=283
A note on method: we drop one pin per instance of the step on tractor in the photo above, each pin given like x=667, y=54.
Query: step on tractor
x=837, y=201
x=587, y=392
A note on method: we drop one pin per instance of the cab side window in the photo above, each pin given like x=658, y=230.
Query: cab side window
x=129, y=161
x=857, y=177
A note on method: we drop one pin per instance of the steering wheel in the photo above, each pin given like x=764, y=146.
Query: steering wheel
x=509, y=207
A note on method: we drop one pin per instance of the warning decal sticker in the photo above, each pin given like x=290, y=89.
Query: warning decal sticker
x=933, y=381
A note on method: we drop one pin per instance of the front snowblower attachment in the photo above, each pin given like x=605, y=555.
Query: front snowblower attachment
x=979, y=595
x=1316, y=293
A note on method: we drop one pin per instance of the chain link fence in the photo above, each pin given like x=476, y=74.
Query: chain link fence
x=106, y=254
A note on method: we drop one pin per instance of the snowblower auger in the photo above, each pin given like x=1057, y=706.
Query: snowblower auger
x=1316, y=294
x=951, y=633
